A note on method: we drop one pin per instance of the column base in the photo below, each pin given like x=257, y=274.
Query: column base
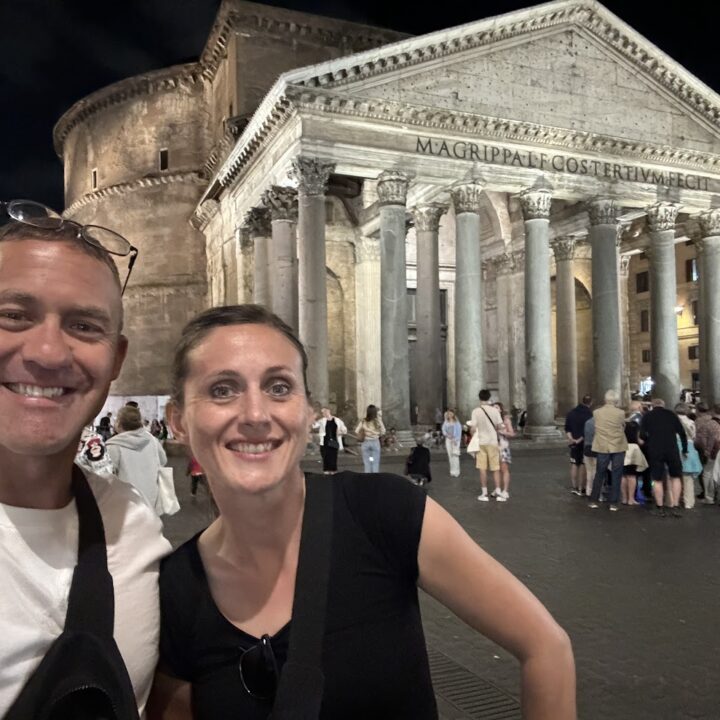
x=406, y=438
x=542, y=432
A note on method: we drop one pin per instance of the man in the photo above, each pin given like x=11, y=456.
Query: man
x=610, y=445
x=61, y=345
x=575, y=433
x=707, y=441
x=486, y=421
x=658, y=431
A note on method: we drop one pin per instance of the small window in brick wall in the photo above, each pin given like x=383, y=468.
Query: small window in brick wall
x=644, y=321
x=642, y=282
x=93, y=179
x=694, y=306
x=694, y=352
x=164, y=159
x=646, y=356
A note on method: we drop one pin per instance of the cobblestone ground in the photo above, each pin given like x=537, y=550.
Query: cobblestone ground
x=638, y=595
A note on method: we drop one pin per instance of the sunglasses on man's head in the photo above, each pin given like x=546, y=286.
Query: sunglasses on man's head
x=40, y=216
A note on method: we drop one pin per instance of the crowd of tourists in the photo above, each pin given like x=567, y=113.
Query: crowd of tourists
x=650, y=455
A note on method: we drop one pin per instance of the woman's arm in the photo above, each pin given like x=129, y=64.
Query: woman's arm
x=480, y=591
x=169, y=699
x=507, y=430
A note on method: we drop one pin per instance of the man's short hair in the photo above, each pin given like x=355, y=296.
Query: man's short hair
x=611, y=397
x=484, y=395
x=129, y=418
x=657, y=402
x=587, y=400
x=682, y=408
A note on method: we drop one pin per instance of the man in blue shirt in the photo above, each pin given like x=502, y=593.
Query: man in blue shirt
x=575, y=433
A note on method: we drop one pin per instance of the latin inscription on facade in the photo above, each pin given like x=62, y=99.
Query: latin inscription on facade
x=496, y=155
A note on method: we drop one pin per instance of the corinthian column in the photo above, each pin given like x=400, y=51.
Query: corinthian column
x=428, y=348
x=369, y=337
x=538, y=309
x=392, y=192
x=607, y=341
x=664, y=361
x=709, y=306
x=282, y=203
x=257, y=222
x=566, y=324
x=312, y=176
x=469, y=356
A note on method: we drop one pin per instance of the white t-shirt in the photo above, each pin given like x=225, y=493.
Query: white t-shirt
x=486, y=419
x=38, y=553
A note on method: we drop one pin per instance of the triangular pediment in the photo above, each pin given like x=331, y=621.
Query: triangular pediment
x=565, y=64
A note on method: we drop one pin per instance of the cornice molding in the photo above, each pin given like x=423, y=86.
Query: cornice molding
x=590, y=16
x=163, y=80
x=230, y=18
x=193, y=177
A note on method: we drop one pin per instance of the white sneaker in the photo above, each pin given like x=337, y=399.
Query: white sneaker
x=505, y=495
x=483, y=498
x=501, y=498
x=496, y=492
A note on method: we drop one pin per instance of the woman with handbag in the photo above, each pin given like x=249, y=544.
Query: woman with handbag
x=301, y=599
x=330, y=431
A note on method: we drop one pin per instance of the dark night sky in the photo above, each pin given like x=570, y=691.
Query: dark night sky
x=53, y=52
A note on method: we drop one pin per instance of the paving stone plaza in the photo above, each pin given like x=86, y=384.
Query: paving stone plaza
x=637, y=594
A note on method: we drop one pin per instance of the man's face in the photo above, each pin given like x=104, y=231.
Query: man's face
x=60, y=346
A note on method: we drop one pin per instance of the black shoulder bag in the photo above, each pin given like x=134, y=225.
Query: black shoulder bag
x=300, y=689
x=82, y=676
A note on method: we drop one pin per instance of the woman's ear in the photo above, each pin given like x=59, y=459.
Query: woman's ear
x=174, y=418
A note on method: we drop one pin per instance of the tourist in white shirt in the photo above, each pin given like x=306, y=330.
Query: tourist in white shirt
x=485, y=423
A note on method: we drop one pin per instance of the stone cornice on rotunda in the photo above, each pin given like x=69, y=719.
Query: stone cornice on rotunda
x=157, y=81
x=327, y=88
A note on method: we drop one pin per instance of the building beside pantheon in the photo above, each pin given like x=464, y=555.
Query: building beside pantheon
x=529, y=202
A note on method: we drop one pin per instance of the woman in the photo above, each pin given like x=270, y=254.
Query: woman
x=452, y=432
x=330, y=430
x=369, y=430
x=240, y=401
x=136, y=454
x=502, y=494
x=634, y=463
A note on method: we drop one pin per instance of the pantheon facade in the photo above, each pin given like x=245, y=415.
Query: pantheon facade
x=529, y=203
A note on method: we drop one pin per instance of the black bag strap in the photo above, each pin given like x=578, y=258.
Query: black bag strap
x=497, y=434
x=300, y=690
x=90, y=610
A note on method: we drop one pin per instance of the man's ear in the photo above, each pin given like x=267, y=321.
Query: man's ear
x=120, y=353
x=174, y=418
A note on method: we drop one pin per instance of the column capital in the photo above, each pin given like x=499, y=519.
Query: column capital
x=508, y=263
x=367, y=250
x=602, y=211
x=662, y=215
x=709, y=222
x=392, y=187
x=536, y=201
x=311, y=174
x=427, y=216
x=281, y=201
x=466, y=197
x=257, y=221
x=563, y=247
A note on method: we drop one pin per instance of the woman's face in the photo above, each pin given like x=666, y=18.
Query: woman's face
x=245, y=414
